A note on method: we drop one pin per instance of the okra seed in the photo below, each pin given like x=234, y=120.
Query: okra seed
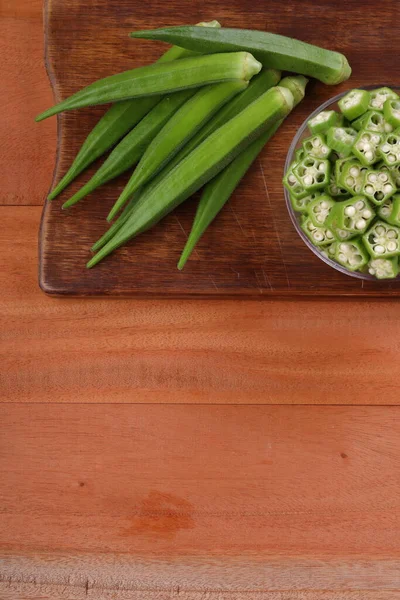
x=360, y=205
x=320, y=218
x=367, y=214
x=350, y=181
x=392, y=246
x=369, y=189
x=383, y=177
x=372, y=178
x=329, y=235
x=391, y=234
x=350, y=211
x=322, y=167
x=380, y=230
x=354, y=261
x=308, y=179
x=375, y=139
x=318, y=236
x=388, y=188
x=292, y=179
x=360, y=224
x=379, y=249
x=371, y=271
x=344, y=247
x=385, y=148
x=369, y=155
x=354, y=172
x=324, y=204
x=391, y=158
x=342, y=257
x=388, y=128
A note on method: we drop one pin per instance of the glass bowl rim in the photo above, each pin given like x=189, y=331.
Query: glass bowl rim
x=293, y=214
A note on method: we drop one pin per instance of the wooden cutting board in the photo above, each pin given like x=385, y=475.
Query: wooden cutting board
x=252, y=249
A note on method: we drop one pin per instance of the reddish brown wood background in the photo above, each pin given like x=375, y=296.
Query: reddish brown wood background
x=192, y=502
x=251, y=249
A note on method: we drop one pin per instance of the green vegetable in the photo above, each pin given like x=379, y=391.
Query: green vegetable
x=131, y=148
x=257, y=86
x=372, y=121
x=201, y=165
x=389, y=211
x=354, y=104
x=117, y=121
x=341, y=139
x=162, y=78
x=365, y=146
x=316, y=146
x=324, y=120
x=391, y=112
x=272, y=50
x=218, y=191
x=312, y=173
x=384, y=268
x=351, y=254
x=379, y=96
x=389, y=150
x=378, y=186
x=319, y=235
x=176, y=132
x=300, y=204
x=352, y=177
x=353, y=215
x=319, y=209
x=382, y=240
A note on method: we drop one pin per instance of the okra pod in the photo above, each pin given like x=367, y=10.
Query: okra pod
x=117, y=121
x=162, y=78
x=258, y=85
x=201, y=165
x=176, y=132
x=272, y=50
x=218, y=191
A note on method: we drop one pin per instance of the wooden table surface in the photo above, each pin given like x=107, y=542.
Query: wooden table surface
x=152, y=449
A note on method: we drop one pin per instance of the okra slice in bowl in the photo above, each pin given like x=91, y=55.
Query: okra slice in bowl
x=342, y=178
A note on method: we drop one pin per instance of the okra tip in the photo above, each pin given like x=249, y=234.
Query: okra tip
x=343, y=73
x=251, y=66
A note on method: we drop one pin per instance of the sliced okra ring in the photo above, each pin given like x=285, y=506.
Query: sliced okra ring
x=354, y=215
x=292, y=183
x=324, y=120
x=299, y=155
x=389, y=150
x=313, y=173
x=341, y=139
x=316, y=146
x=382, y=240
x=352, y=177
x=334, y=190
x=366, y=146
x=391, y=112
x=300, y=204
x=390, y=210
x=339, y=166
x=372, y=121
x=384, y=268
x=393, y=171
x=351, y=254
x=319, y=236
x=378, y=98
x=329, y=251
x=320, y=208
x=354, y=104
x=378, y=186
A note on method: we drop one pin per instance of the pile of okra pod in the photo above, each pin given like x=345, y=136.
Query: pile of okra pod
x=197, y=117
x=345, y=181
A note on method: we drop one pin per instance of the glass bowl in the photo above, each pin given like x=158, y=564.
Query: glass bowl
x=301, y=134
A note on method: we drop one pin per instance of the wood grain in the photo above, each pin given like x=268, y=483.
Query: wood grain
x=204, y=498
x=335, y=352
x=252, y=249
